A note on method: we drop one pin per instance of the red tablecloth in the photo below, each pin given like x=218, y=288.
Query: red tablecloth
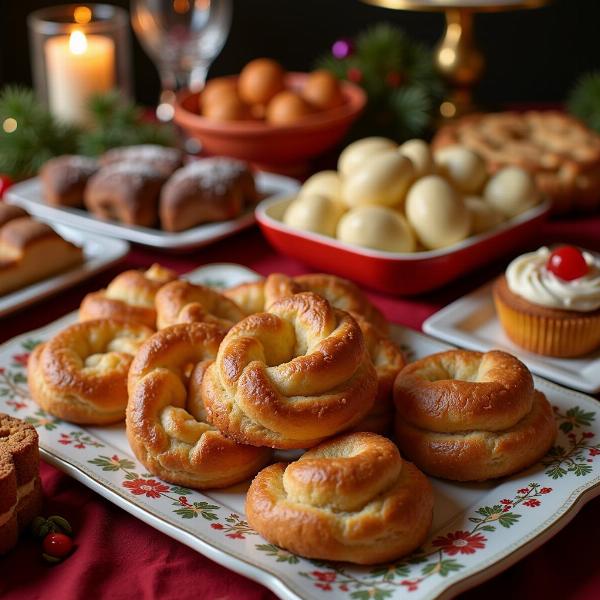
x=118, y=556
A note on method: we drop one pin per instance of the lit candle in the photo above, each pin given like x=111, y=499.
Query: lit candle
x=77, y=67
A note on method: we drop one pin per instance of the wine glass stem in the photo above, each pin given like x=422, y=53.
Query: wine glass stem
x=197, y=76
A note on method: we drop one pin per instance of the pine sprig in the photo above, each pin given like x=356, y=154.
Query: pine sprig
x=40, y=136
x=116, y=122
x=400, y=80
x=584, y=100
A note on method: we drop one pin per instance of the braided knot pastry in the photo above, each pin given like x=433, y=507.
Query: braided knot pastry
x=290, y=377
x=340, y=293
x=388, y=360
x=128, y=297
x=80, y=375
x=471, y=416
x=166, y=420
x=184, y=302
x=343, y=294
x=352, y=498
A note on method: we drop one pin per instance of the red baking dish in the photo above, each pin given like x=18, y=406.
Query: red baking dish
x=395, y=272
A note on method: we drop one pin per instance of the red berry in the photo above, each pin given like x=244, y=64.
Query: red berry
x=394, y=79
x=567, y=262
x=57, y=544
x=354, y=74
x=5, y=183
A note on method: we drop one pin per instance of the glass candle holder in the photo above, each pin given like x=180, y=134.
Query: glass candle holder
x=78, y=50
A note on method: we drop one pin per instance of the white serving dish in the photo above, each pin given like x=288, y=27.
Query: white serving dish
x=471, y=322
x=29, y=195
x=213, y=522
x=99, y=253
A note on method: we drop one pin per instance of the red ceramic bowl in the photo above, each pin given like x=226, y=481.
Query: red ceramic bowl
x=396, y=272
x=281, y=148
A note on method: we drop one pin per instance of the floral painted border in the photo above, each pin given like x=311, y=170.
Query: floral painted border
x=453, y=552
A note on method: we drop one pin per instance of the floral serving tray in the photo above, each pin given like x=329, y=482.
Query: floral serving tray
x=479, y=529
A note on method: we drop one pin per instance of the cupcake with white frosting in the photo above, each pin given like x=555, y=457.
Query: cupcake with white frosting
x=548, y=301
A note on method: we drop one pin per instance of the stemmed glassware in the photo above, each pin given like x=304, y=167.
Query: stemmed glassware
x=182, y=37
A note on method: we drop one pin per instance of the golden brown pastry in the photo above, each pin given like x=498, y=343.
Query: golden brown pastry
x=184, y=302
x=64, y=178
x=80, y=375
x=290, y=377
x=250, y=297
x=470, y=416
x=210, y=189
x=388, y=360
x=30, y=251
x=8, y=212
x=340, y=293
x=160, y=158
x=20, y=487
x=385, y=355
x=128, y=297
x=352, y=498
x=166, y=420
x=126, y=192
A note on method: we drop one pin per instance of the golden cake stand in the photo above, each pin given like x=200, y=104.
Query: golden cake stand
x=457, y=57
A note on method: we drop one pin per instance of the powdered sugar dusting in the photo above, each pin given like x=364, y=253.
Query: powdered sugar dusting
x=143, y=152
x=214, y=174
x=135, y=173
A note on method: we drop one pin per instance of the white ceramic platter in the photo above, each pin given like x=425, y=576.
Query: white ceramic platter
x=99, y=253
x=471, y=322
x=478, y=530
x=29, y=195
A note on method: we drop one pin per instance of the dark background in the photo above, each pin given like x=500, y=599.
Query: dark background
x=532, y=56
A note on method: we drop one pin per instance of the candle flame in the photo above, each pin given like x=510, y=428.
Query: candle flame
x=82, y=15
x=78, y=42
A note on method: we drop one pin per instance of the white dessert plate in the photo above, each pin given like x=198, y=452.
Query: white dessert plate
x=99, y=253
x=30, y=196
x=479, y=529
x=471, y=322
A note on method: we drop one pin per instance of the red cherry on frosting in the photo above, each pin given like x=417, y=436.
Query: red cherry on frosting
x=567, y=262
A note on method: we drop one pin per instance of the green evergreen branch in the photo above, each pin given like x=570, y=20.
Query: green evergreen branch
x=40, y=136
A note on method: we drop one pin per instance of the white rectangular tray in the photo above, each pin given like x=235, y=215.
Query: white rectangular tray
x=471, y=322
x=479, y=529
x=99, y=253
x=29, y=195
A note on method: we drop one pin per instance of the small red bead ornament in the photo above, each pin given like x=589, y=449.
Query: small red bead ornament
x=567, y=263
x=5, y=183
x=57, y=545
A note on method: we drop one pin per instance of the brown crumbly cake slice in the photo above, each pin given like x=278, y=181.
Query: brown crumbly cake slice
x=560, y=152
x=20, y=488
x=30, y=251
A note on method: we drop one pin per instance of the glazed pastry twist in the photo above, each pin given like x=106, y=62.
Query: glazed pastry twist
x=340, y=293
x=352, y=498
x=388, y=360
x=128, y=297
x=184, y=302
x=80, y=375
x=386, y=356
x=166, y=420
x=471, y=416
x=290, y=377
